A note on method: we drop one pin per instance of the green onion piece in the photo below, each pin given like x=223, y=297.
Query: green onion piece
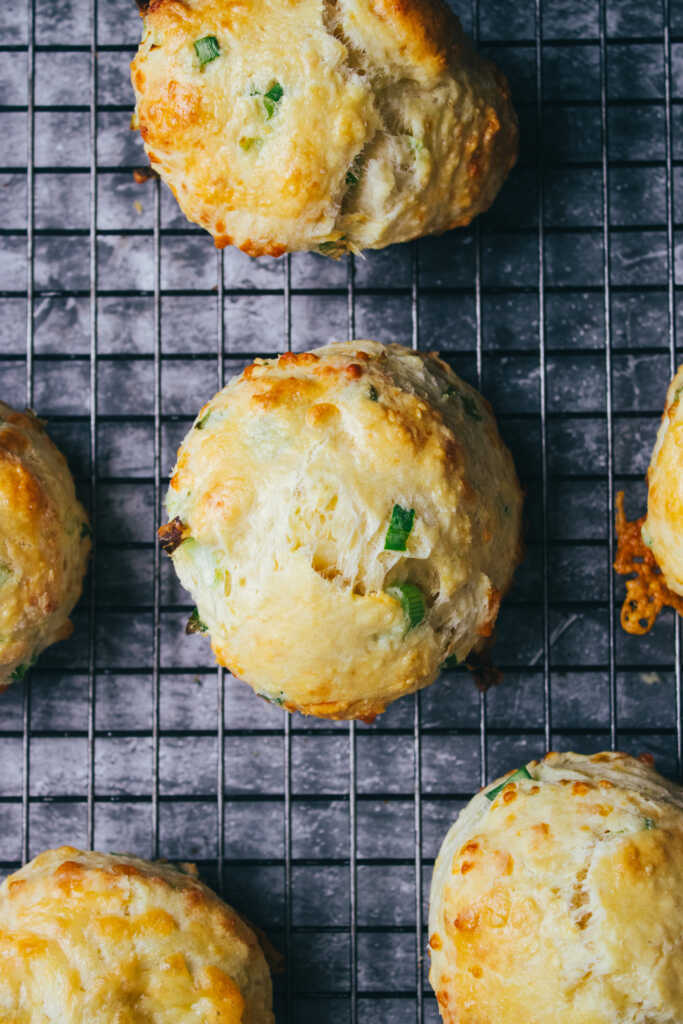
x=450, y=663
x=373, y=393
x=351, y=178
x=207, y=49
x=5, y=573
x=470, y=407
x=399, y=528
x=335, y=249
x=21, y=670
x=85, y=531
x=273, y=700
x=412, y=601
x=271, y=99
x=195, y=624
x=521, y=773
x=203, y=421
x=468, y=403
x=677, y=393
x=275, y=92
x=247, y=144
x=647, y=539
x=649, y=823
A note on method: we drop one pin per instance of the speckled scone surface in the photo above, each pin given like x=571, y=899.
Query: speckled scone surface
x=279, y=509
x=561, y=900
x=89, y=938
x=663, y=527
x=315, y=124
x=44, y=543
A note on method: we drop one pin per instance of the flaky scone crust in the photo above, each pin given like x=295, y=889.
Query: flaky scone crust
x=44, y=543
x=663, y=527
x=561, y=902
x=91, y=938
x=389, y=126
x=279, y=507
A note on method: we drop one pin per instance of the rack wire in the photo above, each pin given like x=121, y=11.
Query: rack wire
x=118, y=321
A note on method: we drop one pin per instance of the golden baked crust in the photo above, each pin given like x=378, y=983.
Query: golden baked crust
x=44, y=543
x=91, y=938
x=561, y=901
x=279, y=508
x=652, y=547
x=387, y=124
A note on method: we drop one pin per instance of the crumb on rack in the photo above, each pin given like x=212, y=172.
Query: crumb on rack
x=143, y=174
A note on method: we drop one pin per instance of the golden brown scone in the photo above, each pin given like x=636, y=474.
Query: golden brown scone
x=92, y=938
x=335, y=125
x=560, y=900
x=652, y=547
x=44, y=543
x=344, y=519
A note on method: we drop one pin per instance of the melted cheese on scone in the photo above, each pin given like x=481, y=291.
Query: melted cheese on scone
x=663, y=527
x=282, y=499
x=289, y=125
x=90, y=938
x=44, y=543
x=561, y=899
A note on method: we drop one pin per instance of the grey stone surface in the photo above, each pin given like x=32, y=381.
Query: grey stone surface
x=287, y=808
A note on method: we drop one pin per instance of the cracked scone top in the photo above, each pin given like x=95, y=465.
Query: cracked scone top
x=335, y=125
x=91, y=938
x=557, y=898
x=44, y=543
x=344, y=519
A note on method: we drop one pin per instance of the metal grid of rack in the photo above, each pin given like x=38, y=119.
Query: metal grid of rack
x=118, y=320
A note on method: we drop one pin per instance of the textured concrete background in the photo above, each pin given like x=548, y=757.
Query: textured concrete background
x=350, y=923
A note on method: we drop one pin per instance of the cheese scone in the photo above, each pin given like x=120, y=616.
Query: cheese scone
x=557, y=898
x=345, y=519
x=652, y=547
x=44, y=543
x=285, y=125
x=92, y=938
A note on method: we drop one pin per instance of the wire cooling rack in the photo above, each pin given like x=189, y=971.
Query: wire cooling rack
x=119, y=320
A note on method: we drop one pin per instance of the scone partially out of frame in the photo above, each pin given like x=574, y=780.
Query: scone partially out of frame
x=652, y=547
x=327, y=125
x=97, y=938
x=345, y=519
x=557, y=898
x=44, y=543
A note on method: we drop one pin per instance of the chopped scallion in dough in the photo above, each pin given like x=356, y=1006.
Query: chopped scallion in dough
x=412, y=601
x=207, y=49
x=521, y=773
x=249, y=143
x=399, y=528
x=195, y=624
